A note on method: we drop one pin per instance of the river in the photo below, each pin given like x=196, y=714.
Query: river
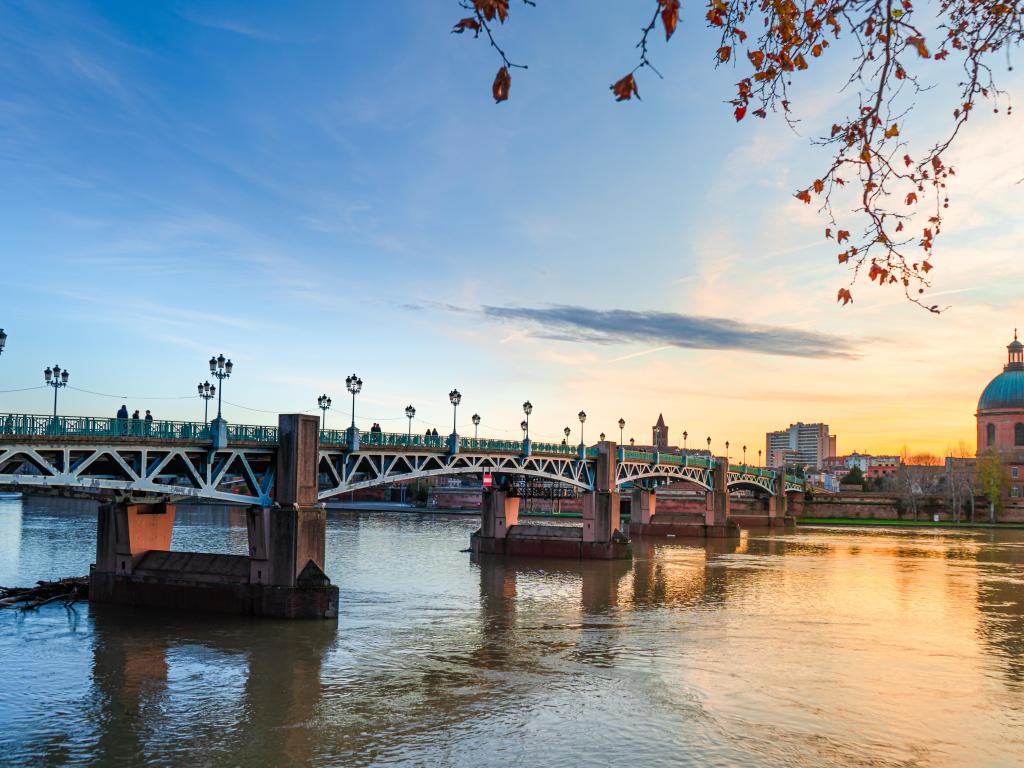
x=819, y=647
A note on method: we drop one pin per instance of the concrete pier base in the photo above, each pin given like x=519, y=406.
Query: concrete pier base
x=683, y=526
x=281, y=577
x=599, y=538
x=562, y=541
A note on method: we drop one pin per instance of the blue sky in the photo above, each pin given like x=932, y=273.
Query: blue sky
x=331, y=189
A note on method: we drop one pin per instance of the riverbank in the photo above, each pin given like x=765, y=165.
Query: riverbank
x=827, y=521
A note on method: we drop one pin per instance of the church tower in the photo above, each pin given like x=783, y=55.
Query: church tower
x=659, y=433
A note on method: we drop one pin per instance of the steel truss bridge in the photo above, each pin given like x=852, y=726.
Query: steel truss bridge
x=136, y=459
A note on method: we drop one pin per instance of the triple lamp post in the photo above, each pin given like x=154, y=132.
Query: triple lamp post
x=221, y=368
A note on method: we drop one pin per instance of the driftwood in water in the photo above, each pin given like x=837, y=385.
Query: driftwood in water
x=27, y=598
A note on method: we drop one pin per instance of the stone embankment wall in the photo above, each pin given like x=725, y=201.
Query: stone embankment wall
x=883, y=506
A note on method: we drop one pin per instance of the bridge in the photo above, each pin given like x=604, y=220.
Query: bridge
x=282, y=474
x=131, y=459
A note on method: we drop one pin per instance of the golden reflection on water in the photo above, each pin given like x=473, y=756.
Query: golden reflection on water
x=820, y=647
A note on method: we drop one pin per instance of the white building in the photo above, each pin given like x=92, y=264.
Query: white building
x=804, y=444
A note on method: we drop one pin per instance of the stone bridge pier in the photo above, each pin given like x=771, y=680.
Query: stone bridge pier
x=282, y=575
x=599, y=538
x=714, y=522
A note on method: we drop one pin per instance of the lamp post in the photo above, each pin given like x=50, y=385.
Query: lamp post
x=622, y=426
x=454, y=397
x=207, y=392
x=324, y=404
x=632, y=441
x=685, y=435
x=567, y=432
x=709, y=447
x=221, y=368
x=354, y=385
x=727, y=452
x=409, y=413
x=56, y=378
x=744, y=455
x=601, y=437
x=582, y=417
x=476, y=425
x=759, y=457
x=527, y=409
x=3, y=340
x=523, y=425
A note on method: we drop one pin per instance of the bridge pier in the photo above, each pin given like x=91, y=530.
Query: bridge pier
x=713, y=523
x=282, y=576
x=600, y=537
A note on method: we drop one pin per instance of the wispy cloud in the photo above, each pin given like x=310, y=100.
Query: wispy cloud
x=247, y=30
x=581, y=324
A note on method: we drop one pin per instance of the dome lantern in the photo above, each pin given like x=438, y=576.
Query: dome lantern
x=1015, y=349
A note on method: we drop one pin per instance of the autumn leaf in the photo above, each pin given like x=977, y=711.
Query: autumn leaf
x=911, y=198
x=464, y=24
x=828, y=233
x=841, y=235
x=918, y=43
x=669, y=16
x=844, y=296
x=907, y=161
x=819, y=185
x=926, y=267
x=892, y=131
x=739, y=113
x=502, y=82
x=804, y=195
x=844, y=257
x=724, y=52
x=492, y=8
x=756, y=58
x=625, y=88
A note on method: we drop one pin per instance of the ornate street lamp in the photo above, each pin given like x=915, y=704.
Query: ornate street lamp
x=454, y=397
x=582, y=417
x=354, y=385
x=601, y=437
x=207, y=392
x=476, y=425
x=527, y=409
x=685, y=435
x=409, y=413
x=744, y=455
x=709, y=446
x=727, y=452
x=56, y=378
x=759, y=457
x=622, y=426
x=220, y=368
x=3, y=340
x=524, y=425
x=324, y=404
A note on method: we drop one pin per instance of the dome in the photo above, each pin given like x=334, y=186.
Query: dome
x=1004, y=391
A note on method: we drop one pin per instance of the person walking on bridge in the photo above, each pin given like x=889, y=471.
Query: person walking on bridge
x=122, y=419
x=149, y=422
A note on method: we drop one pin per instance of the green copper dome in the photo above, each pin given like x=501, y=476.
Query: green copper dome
x=1007, y=389
x=1004, y=391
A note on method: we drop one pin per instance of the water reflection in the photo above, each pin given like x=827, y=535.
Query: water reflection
x=818, y=647
x=245, y=694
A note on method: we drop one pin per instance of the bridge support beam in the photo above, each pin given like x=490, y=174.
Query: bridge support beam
x=498, y=512
x=598, y=539
x=642, y=507
x=125, y=533
x=282, y=576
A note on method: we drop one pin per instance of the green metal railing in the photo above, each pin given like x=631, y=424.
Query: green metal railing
x=29, y=425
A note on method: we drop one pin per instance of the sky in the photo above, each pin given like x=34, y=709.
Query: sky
x=326, y=188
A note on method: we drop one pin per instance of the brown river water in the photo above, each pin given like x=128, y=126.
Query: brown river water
x=819, y=647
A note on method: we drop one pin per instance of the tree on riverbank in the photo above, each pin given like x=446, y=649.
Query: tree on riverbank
x=993, y=480
x=882, y=200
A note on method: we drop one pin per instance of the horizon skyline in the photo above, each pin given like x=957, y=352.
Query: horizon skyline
x=223, y=177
